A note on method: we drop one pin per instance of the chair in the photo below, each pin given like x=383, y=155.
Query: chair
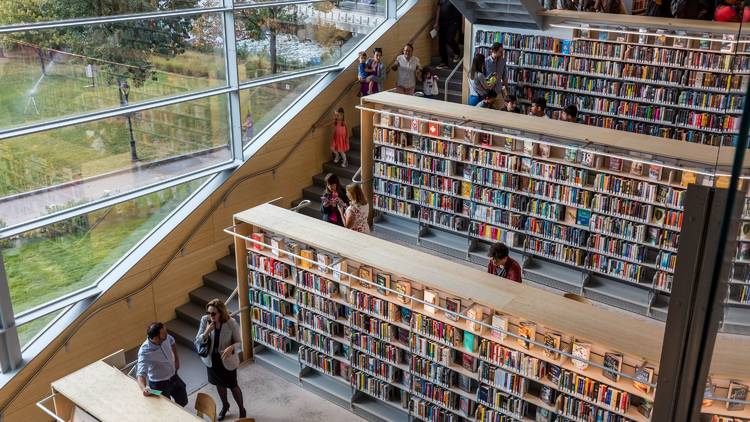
x=245, y=420
x=205, y=406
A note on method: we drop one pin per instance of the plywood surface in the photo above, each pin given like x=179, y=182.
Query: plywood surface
x=111, y=396
x=704, y=155
x=627, y=333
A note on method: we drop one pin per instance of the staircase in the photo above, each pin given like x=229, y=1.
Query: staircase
x=454, y=85
x=315, y=191
x=217, y=284
x=502, y=13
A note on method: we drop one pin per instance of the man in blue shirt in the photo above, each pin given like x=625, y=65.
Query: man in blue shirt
x=495, y=64
x=158, y=364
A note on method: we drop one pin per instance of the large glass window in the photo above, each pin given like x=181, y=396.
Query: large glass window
x=281, y=39
x=53, y=170
x=262, y=104
x=63, y=257
x=66, y=71
x=23, y=11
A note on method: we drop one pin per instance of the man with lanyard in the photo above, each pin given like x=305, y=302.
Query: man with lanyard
x=157, y=366
x=495, y=64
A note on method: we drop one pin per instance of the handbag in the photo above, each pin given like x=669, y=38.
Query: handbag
x=204, y=349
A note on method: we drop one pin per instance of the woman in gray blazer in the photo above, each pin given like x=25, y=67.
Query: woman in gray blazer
x=222, y=335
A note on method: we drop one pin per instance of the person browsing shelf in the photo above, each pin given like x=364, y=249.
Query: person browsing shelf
x=495, y=65
x=489, y=100
x=220, y=334
x=478, y=84
x=158, y=363
x=569, y=114
x=538, y=107
x=356, y=215
x=409, y=69
x=502, y=265
x=511, y=104
x=333, y=196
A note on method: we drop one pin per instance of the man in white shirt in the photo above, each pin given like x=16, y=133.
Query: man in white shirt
x=158, y=364
x=538, y=107
x=409, y=70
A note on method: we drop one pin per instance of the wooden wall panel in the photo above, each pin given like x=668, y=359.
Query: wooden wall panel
x=122, y=325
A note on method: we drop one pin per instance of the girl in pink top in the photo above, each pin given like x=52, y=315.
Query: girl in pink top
x=340, y=141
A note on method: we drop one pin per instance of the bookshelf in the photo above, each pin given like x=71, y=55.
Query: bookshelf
x=430, y=352
x=581, y=213
x=688, y=87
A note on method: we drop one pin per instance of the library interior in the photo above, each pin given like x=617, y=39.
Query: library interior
x=375, y=210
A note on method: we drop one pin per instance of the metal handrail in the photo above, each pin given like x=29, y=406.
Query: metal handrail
x=356, y=178
x=302, y=204
x=40, y=404
x=76, y=327
x=455, y=69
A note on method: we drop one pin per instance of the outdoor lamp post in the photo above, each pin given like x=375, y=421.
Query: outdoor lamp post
x=124, y=94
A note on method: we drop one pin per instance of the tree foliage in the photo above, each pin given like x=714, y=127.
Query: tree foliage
x=122, y=49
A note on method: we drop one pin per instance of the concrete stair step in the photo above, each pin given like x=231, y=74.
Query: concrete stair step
x=183, y=332
x=190, y=313
x=319, y=180
x=341, y=172
x=202, y=295
x=227, y=265
x=221, y=281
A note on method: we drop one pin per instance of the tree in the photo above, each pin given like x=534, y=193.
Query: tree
x=122, y=49
x=267, y=21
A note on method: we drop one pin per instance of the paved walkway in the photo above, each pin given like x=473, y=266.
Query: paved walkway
x=20, y=208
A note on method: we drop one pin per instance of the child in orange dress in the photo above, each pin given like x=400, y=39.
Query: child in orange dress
x=340, y=141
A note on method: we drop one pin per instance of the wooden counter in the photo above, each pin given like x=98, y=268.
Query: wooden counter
x=617, y=330
x=111, y=396
x=693, y=154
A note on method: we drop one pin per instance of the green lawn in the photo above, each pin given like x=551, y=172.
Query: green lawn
x=45, y=266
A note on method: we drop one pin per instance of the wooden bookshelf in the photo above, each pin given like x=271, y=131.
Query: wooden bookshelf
x=689, y=89
x=413, y=362
x=578, y=202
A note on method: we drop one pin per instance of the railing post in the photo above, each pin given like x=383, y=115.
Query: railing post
x=233, y=80
x=10, y=345
x=390, y=9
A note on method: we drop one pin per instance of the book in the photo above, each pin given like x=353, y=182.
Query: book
x=277, y=246
x=654, y=171
x=465, y=383
x=470, y=341
x=745, y=231
x=643, y=377
x=571, y=154
x=386, y=119
x=636, y=168
x=529, y=148
x=543, y=415
x=258, y=237
x=397, y=121
x=365, y=273
x=475, y=313
x=613, y=365
x=688, y=177
x=552, y=340
x=582, y=351
x=708, y=392
x=508, y=144
x=645, y=408
x=383, y=280
x=553, y=373
x=324, y=261
x=309, y=258
x=485, y=139
x=338, y=269
x=737, y=391
x=405, y=315
x=403, y=287
x=527, y=330
x=587, y=158
x=433, y=129
x=453, y=305
x=501, y=322
x=615, y=164
x=415, y=126
x=470, y=135
x=469, y=362
x=544, y=150
x=658, y=216
x=583, y=217
x=431, y=297
x=294, y=250
x=548, y=395
x=722, y=182
x=447, y=131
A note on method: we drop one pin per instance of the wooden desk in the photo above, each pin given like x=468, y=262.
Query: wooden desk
x=111, y=396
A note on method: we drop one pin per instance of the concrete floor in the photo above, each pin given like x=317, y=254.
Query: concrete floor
x=269, y=398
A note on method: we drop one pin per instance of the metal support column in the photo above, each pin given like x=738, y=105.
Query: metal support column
x=230, y=60
x=696, y=303
x=10, y=346
x=391, y=7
